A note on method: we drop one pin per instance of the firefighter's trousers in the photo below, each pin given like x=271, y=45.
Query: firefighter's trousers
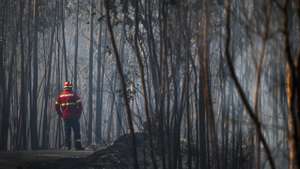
x=72, y=123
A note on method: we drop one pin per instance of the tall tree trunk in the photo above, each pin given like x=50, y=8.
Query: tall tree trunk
x=33, y=115
x=99, y=89
x=8, y=97
x=292, y=125
x=212, y=147
x=45, y=137
x=59, y=126
x=154, y=66
x=76, y=47
x=64, y=39
x=29, y=63
x=22, y=136
x=293, y=89
x=8, y=112
x=3, y=141
x=90, y=92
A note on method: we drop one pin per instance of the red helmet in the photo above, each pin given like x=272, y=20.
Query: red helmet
x=68, y=85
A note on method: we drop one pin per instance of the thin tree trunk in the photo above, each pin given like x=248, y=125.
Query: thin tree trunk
x=59, y=126
x=3, y=141
x=99, y=89
x=64, y=38
x=22, y=142
x=110, y=123
x=7, y=101
x=76, y=47
x=293, y=79
x=45, y=137
x=34, y=111
x=90, y=92
x=29, y=63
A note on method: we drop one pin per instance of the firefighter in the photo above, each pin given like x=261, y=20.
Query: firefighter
x=68, y=106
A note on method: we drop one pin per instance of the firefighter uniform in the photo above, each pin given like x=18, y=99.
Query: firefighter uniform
x=68, y=106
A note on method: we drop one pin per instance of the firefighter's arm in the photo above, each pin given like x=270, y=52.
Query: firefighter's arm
x=78, y=105
x=57, y=107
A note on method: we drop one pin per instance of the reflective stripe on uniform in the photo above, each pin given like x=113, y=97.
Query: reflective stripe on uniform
x=68, y=104
x=66, y=95
x=78, y=101
x=56, y=102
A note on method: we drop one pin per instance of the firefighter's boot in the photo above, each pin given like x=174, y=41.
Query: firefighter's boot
x=67, y=146
x=78, y=145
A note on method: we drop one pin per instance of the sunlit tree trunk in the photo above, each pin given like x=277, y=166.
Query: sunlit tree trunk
x=292, y=91
x=292, y=131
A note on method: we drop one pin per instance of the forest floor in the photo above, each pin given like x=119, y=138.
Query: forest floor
x=16, y=160
x=114, y=156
